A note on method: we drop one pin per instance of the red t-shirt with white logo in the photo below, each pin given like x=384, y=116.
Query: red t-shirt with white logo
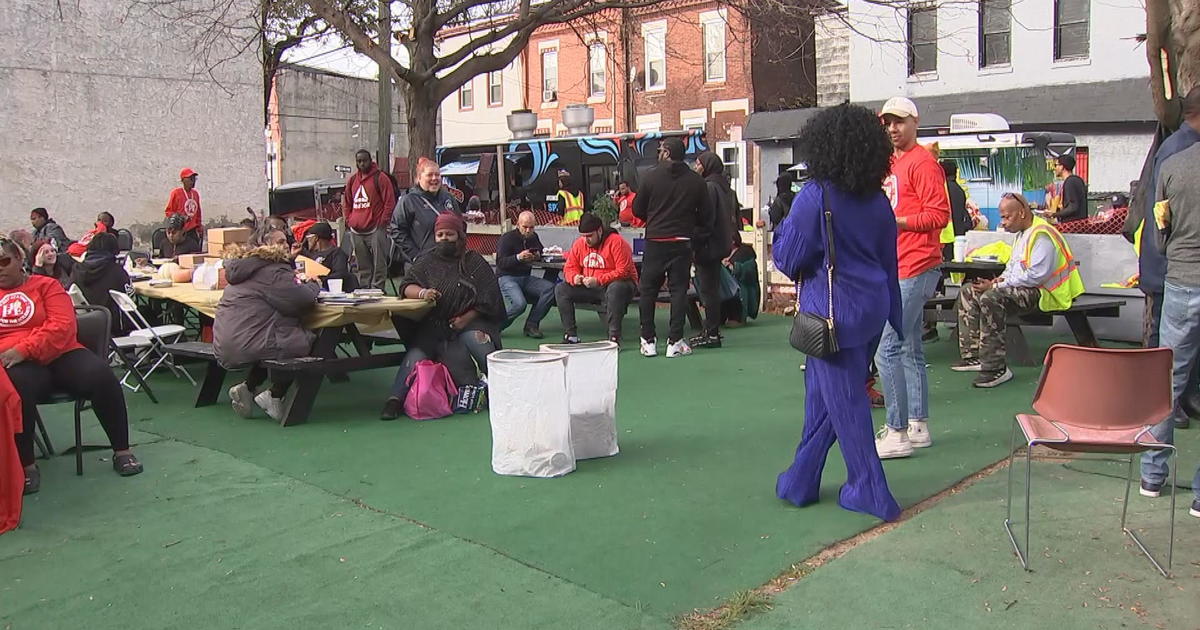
x=186, y=203
x=917, y=190
x=38, y=319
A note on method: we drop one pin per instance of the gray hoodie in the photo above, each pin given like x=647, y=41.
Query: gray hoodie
x=258, y=317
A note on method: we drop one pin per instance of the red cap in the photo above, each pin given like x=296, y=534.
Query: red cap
x=186, y=173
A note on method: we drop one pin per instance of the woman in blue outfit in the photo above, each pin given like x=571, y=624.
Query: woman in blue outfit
x=847, y=153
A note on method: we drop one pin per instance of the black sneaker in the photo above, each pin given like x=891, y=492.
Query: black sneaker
x=534, y=332
x=1152, y=490
x=1195, y=511
x=33, y=480
x=570, y=339
x=993, y=378
x=967, y=365
x=705, y=341
x=1183, y=423
x=391, y=409
x=930, y=333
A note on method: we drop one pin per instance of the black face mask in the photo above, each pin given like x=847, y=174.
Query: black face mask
x=446, y=249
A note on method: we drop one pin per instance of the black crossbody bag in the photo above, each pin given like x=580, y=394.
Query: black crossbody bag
x=813, y=334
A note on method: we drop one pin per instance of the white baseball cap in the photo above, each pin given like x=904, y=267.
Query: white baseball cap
x=899, y=106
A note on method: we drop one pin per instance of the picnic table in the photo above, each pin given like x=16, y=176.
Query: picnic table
x=329, y=321
x=974, y=269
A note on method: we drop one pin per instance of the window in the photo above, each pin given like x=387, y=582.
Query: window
x=922, y=40
x=714, y=49
x=995, y=32
x=597, y=55
x=1071, y=32
x=655, y=38
x=466, y=95
x=549, y=76
x=495, y=88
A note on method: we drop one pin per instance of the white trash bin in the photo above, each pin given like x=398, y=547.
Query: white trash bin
x=531, y=421
x=592, y=393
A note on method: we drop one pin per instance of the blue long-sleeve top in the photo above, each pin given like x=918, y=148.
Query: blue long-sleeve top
x=866, y=289
x=1152, y=264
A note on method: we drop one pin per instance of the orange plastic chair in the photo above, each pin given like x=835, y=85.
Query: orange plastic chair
x=1097, y=400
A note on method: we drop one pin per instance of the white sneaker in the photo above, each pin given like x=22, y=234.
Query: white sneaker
x=273, y=406
x=242, y=400
x=918, y=434
x=678, y=349
x=890, y=443
x=649, y=347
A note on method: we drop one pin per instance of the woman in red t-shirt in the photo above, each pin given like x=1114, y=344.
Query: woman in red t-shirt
x=39, y=351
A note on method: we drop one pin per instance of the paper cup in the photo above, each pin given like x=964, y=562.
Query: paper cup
x=335, y=286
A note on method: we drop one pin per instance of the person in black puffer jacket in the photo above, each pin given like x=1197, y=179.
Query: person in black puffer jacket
x=710, y=254
x=100, y=273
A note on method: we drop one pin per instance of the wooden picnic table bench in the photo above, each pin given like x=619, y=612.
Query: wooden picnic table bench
x=943, y=309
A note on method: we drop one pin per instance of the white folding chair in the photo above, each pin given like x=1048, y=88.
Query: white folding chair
x=76, y=294
x=157, y=336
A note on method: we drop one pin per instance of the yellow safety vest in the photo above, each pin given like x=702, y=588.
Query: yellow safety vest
x=572, y=207
x=1058, y=291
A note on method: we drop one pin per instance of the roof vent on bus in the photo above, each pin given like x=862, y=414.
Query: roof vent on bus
x=977, y=123
x=522, y=123
x=578, y=119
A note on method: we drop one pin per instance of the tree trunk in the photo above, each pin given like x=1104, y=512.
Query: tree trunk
x=422, y=123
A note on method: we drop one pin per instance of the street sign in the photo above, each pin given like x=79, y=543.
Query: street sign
x=342, y=168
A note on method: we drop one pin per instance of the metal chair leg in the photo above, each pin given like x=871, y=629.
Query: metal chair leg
x=1174, y=459
x=1012, y=452
x=79, y=437
x=47, y=447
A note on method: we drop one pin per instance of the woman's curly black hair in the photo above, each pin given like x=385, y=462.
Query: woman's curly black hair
x=847, y=146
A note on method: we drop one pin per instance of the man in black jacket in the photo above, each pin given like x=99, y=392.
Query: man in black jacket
x=514, y=254
x=45, y=228
x=674, y=203
x=1074, y=191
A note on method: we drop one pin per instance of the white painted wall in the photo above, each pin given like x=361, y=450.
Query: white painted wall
x=99, y=111
x=484, y=123
x=1114, y=159
x=879, y=63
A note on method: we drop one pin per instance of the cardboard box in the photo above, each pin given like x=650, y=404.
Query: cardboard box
x=189, y=261
x=216, y=250
x=228, y=235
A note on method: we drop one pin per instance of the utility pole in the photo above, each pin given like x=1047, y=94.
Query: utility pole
x=384, y=143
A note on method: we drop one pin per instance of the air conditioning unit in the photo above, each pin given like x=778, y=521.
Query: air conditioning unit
x=549, y=96
x=977, y=123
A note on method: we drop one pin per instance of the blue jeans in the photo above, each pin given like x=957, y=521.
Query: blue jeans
x=1179, y=330
x=519, y=291
x=902, y=363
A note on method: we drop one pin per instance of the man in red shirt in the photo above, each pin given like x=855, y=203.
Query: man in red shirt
x=367, y=203
x=185, y=201
x=917, y=190
x=624, y=200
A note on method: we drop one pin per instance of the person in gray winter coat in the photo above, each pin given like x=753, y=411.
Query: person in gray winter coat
x=258, y=319
x=411, y=228
x=44, y=228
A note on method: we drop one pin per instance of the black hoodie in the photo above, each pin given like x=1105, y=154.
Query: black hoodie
x=724, y=210
x=673, y=201
x=98, y=274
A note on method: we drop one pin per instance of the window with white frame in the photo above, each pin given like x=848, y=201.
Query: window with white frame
x=713, y=26
x=995, y=32
x=597, y=76
x=654, y=37
x=1071, y=28
x=466, y=95
x=922, y=40
x=495, y=88
x=549, y=76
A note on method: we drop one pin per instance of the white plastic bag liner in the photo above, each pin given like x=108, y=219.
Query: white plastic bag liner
x=592, y=394
x=531, y=422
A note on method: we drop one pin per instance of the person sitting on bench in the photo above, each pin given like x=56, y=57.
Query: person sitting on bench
x=1041, y=275
x=463, y=327
x=599, y=270
x=258, y=319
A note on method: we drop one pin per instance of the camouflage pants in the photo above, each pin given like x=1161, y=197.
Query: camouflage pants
x=983, y=321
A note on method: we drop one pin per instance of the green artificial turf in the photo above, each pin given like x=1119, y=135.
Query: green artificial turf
x=683, y=517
